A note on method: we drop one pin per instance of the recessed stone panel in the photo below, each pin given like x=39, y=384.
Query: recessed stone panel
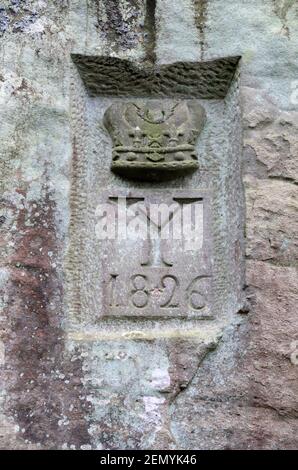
x=126, y=283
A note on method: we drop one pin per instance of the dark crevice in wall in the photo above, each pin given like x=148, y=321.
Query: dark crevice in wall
x=201, y=9
x=273, y=262
x=286, y=179
x=150, y=28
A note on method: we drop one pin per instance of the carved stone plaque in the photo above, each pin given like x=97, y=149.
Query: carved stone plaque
x=179, y=127
x=156, y=251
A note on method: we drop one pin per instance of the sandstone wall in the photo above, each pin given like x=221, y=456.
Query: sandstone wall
x=236, y=393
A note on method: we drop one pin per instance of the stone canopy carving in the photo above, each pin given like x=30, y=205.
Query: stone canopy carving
x=154, y=139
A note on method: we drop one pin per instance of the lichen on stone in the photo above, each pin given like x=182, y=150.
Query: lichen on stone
x=17, y=16
x=120, y=21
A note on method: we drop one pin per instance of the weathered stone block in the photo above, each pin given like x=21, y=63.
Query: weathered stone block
x=272, y=227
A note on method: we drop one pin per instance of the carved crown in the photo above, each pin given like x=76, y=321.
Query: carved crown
x=155, y=138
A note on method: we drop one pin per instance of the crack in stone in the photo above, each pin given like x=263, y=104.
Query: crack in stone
x=281, y=9
x=201, y=10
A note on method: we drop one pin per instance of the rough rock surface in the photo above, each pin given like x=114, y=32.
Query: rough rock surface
x=271, y=228
x=54, y=393
x=244, y=395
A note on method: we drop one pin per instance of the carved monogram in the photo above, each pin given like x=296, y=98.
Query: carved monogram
x=155, y=138
x=157, y=259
